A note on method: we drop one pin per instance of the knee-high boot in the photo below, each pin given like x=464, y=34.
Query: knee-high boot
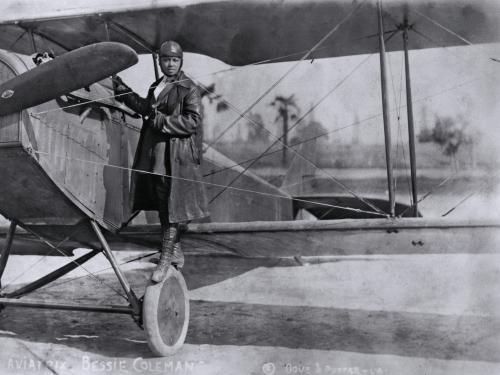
x=178, y=256
x=167, y=252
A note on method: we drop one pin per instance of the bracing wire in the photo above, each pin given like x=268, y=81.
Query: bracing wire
x=398, y=107
x=292, y=145
x=98, y=271
x=195, y=78
x=439, y=44
x=97, y=100
x=468, y=82
x=423, y=35
x=40, y=259
x=460, y=85
x=203, y=182
x=252, y=122
x=74, y=261
x=401, y=106
x=225, y=70
x=485, y=185
x=432, y=190
x=290, y=70
x=463, y=200
x=442, y=27
x=279, y=140
x=465, y=83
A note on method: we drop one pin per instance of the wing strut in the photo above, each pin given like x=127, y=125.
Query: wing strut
x=385, y=109
x=31, y=33
x=411, y=129
x=32, y=39
x=155, y=65
x=132, y=298
x=6, y=250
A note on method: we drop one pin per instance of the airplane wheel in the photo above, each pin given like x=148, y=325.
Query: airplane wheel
x=166, y=314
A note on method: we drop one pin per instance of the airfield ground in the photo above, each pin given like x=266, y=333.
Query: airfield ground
x=412, y=314
x=406, y=314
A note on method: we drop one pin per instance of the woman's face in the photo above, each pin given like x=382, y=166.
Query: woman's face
x=170, y=65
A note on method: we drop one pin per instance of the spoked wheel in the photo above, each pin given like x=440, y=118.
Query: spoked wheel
x=166, y=313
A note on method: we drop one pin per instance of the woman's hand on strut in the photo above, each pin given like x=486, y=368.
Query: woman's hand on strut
x=119, y=87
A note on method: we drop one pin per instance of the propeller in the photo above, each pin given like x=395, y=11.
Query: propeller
x=65, y=73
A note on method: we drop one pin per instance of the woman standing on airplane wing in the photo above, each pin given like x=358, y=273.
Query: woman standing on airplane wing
x=170, y=148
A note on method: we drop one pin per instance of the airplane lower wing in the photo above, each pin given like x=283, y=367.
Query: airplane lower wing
x=297, y=238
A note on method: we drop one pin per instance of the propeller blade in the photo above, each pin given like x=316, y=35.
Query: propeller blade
x=66, y=73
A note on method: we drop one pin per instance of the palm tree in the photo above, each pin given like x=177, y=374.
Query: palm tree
x=287, y=110
x=209, y=92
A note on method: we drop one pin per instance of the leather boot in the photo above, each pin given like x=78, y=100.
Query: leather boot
x=178, y=256
x=167, y=251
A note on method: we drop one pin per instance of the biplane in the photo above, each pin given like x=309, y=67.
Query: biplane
x=67, y=145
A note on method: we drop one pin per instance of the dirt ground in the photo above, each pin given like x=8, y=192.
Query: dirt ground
x=413, y=314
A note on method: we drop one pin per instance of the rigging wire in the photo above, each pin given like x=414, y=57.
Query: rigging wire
x=461, y=59
x=440, y=45
x=463, y=200
x=17, y=40
x=279, y=140
x=80, y=265
x=195, y=78
x=465, y=83
x=204, y=182
x=251, y=121
x=41, y=258
x=442, y=27
x=98, y=271
x=468, y=82
x=432, y=190
x=460, y=85
x=73, y=261
x=290, y=70
x=292, y=145
x=485, y=185
x=316, y=167
x=243, y=114
x=266, y=153
x=466, y=62
x=225, y=70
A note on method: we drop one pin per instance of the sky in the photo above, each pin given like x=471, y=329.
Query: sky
x=357, y=97
x=454, y=81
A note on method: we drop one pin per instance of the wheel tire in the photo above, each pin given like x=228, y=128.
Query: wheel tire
x=166, y=314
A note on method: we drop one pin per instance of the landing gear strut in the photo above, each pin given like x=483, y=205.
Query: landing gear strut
x=163, y=312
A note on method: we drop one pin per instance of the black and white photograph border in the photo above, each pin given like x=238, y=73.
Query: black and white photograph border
x=249, y=187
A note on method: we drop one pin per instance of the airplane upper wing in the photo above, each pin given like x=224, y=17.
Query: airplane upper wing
x=244, y=32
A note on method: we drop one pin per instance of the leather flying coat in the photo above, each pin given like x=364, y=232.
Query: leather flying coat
x=176, y=146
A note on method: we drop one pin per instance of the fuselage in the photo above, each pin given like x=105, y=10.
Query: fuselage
x=83, y=145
